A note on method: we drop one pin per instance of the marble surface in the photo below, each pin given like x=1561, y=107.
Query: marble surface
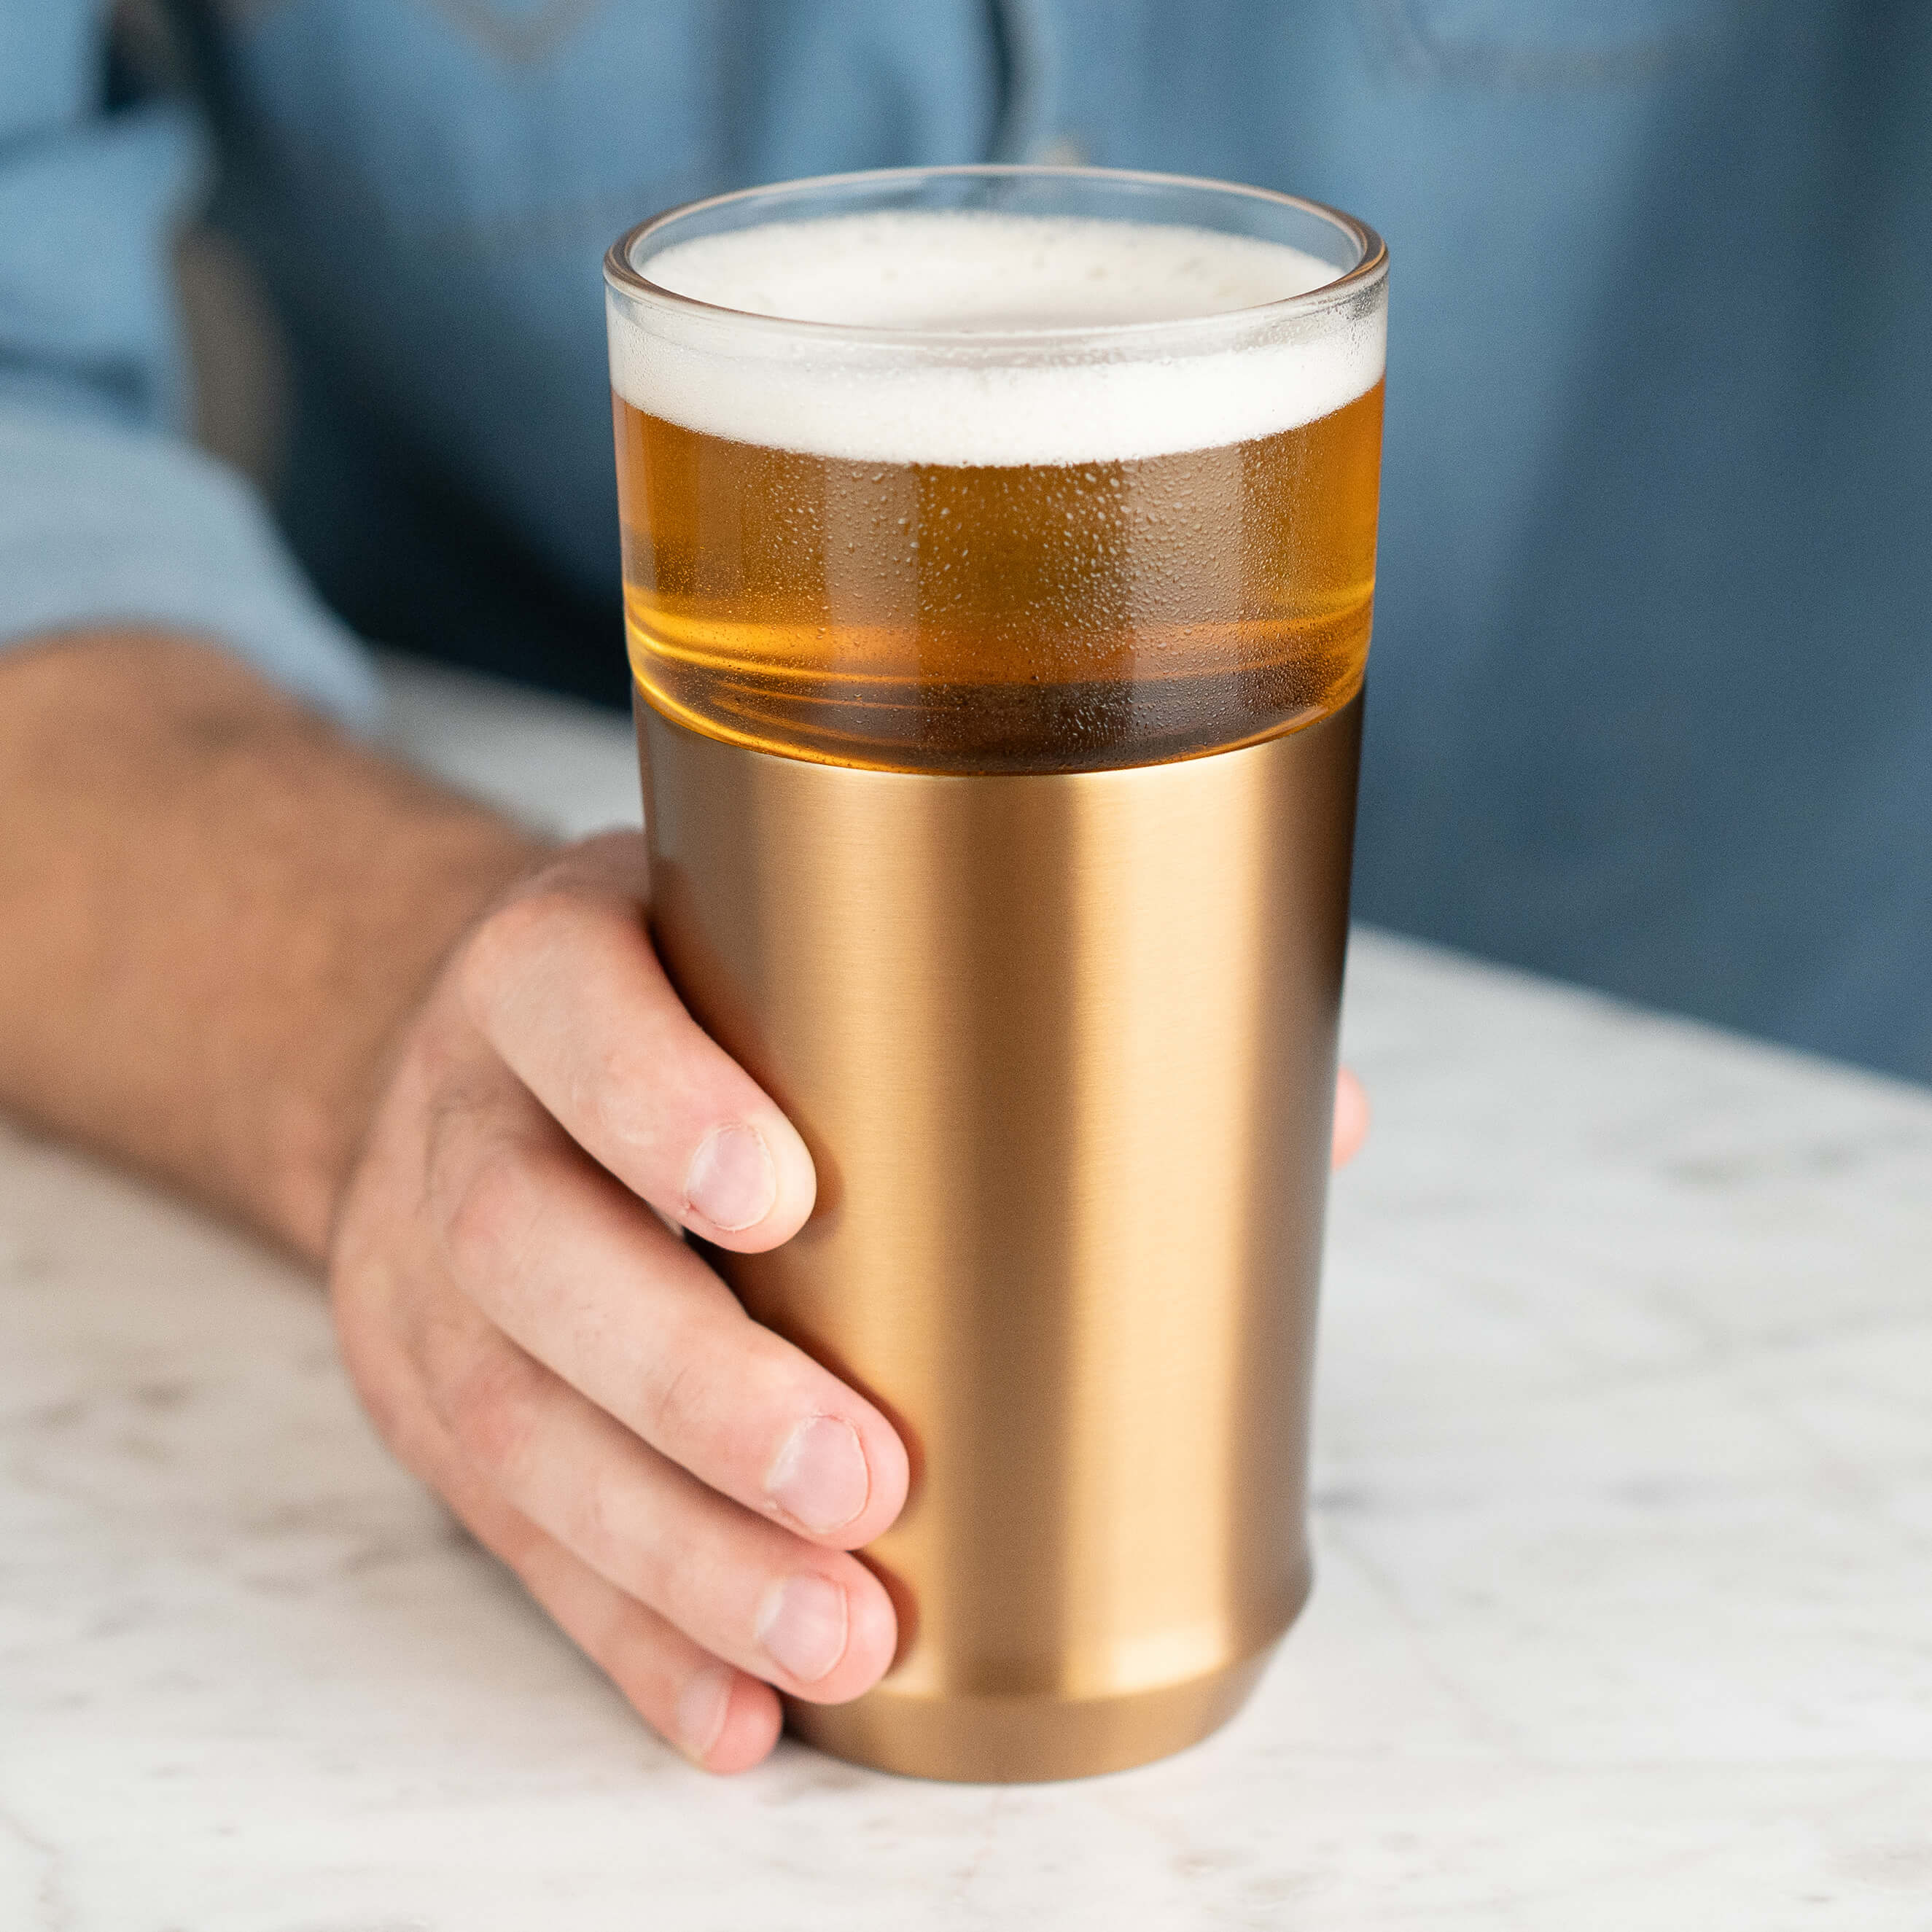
x=1623, y=1516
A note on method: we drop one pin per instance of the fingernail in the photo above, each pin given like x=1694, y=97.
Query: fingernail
x=820, y=1478
x=732, y=1182
x=701, y=1708
x=802, y=1626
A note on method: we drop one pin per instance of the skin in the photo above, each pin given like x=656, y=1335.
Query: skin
x=404, y=1040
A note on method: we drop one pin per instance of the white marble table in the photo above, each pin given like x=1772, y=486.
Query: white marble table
x=1624, y=1614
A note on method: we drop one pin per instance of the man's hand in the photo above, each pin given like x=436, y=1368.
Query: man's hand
x=312, y=989
x=678, y=1486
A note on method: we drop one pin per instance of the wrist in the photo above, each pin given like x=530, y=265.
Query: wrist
x=217, y=914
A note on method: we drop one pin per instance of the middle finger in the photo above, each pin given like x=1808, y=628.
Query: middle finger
x=562, y=1259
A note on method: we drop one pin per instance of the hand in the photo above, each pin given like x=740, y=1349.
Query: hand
x=677, y=1486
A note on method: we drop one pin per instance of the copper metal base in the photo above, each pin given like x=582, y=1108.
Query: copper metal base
x=1025, y=1740
x=1064, y=1050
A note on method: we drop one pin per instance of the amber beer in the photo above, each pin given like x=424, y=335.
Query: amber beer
x=999, y=555
x=892, y=607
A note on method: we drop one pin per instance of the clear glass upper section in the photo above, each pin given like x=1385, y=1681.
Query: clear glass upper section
x=1015, y=470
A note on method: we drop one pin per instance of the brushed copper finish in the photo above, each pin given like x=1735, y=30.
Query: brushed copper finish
x=1063, y=1048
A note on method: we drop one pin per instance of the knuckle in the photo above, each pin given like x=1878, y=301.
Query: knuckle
x=649, y=1546
x=615, y=1098
x=500, y=947
x=713, y=1382
x=605, y=1530
x=677, y=1402
x=487, y=1217
x=486, y=1408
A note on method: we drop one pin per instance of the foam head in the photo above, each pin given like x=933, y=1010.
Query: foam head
x=1016, y=365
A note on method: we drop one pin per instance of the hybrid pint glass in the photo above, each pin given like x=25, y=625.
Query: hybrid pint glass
x=999, y=552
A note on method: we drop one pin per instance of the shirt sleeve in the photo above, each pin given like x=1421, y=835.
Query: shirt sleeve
x=107, y=513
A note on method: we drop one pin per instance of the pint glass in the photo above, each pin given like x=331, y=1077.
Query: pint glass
x=999, y=552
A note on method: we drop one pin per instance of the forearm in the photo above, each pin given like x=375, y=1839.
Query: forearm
x=214, y=913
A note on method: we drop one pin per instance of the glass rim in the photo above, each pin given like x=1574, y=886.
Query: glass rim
x=621, y=275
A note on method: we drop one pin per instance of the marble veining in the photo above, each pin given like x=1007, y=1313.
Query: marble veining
x=1623, y=1513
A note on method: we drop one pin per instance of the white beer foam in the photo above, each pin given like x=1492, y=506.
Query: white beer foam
x=963, y=276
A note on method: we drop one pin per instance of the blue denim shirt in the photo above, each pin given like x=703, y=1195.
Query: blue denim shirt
x=1651, y=695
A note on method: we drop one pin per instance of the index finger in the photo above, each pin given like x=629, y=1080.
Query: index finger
x=563, y=982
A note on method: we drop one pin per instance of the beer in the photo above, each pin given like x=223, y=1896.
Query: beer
x=1117, y=513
